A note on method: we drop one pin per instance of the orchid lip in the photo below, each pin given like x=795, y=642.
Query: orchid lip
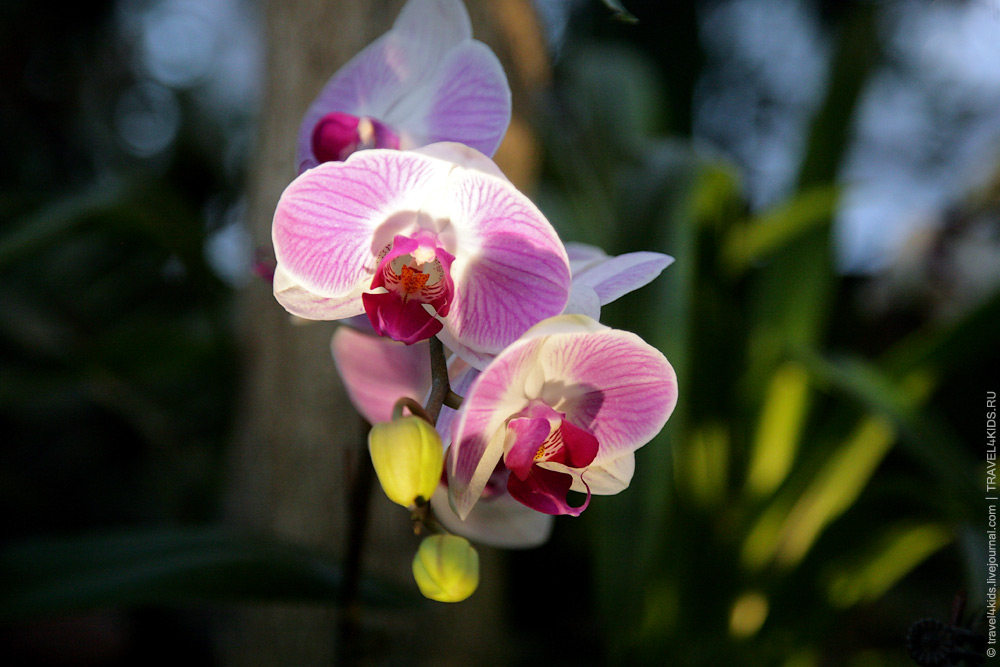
x=337, y=135
x=413, y=288
x=540, y=435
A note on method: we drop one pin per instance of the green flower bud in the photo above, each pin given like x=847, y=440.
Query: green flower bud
x=446, y=568
x=408, y=459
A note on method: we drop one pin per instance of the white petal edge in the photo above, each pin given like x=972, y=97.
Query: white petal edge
x=300, y=302
x=497, y=522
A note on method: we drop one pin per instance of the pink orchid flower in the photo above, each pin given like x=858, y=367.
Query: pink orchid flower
x=424, y=81
x=426, y=242
x=564, y=408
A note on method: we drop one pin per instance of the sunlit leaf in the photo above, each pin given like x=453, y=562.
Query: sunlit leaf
x=778, y=431
x=927, y=440
x=789, y=528
x=894, y=556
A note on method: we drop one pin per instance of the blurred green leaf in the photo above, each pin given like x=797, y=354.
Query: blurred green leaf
x=929, y=442
x=855, y=55
x=834, y=488
x=892, y=557
x=937, y=347
x=774, y=229
x=50, y=222
x=179, y=566
x=779, y=428
x=621, y=13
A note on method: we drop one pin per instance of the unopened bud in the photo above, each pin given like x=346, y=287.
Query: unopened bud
x=408, y=458
x=446, y=568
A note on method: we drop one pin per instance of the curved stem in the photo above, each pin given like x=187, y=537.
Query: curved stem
x=440, y=385
x=415, y=409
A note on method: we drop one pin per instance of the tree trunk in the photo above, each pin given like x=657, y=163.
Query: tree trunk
x=299, y=443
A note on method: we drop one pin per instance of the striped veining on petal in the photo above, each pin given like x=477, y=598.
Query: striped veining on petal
x=513, y=270
x=325, y=221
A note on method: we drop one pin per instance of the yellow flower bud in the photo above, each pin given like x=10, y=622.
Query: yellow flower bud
x=408, y=459
x=446, y=568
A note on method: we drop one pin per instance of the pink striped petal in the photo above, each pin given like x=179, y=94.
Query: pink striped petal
x=462, y=155
x=607, y=478
x=479, y=431
x=611, y=383
x=616, y=276
x=377, y=371
x=299, y=301
x=331, y=222
x=470, y=101
x=511, y=271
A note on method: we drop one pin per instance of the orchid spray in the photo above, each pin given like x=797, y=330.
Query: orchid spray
x=495, y=392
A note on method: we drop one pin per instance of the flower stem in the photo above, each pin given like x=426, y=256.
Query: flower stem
x=415, y=409
x=440, y=386
x=359, y=489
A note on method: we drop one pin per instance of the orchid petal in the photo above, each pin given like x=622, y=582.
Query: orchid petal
x=462, y=155
x=479, y=432
x=300, y=302
x=611, y=383
x=617, y=276
x=609, y=478
x=437, y=24
x=378, y=371
x=406, y=321
x=583, y=300
x=545, y=490
x=500, y=521
x=324, y=228
x=582, y=256
x=470, y=101
x=525, y=437
x=512, y=270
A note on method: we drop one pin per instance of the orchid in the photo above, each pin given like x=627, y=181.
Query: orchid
x=433, y=241
x=424, y=81
x=564, y=408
